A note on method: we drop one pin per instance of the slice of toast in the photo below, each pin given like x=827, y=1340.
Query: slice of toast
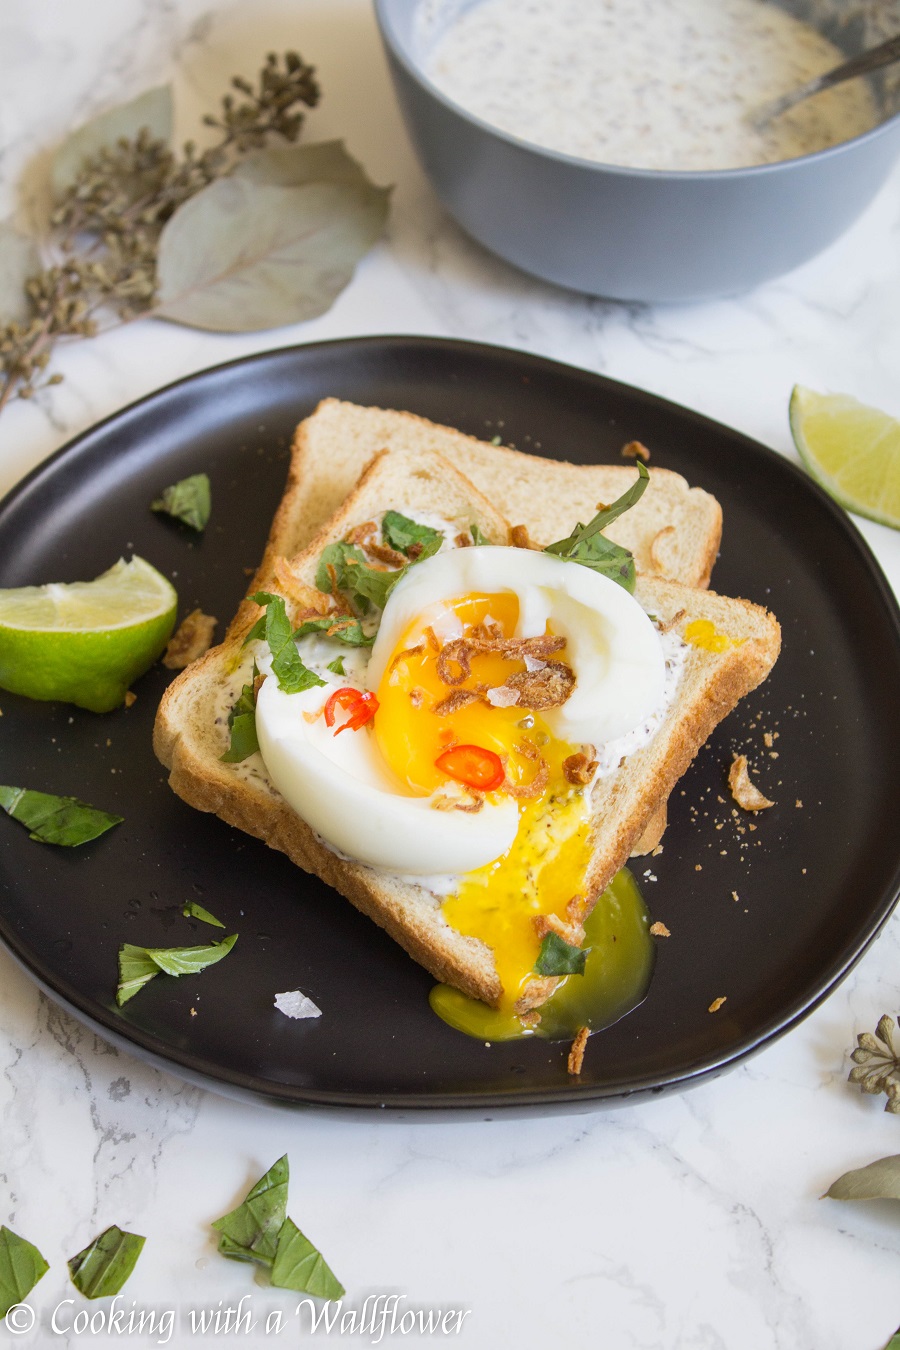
x=673, y=532
x=191, y=728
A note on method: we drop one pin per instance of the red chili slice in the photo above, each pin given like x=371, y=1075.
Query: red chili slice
x=361, y=706
x=473, y=766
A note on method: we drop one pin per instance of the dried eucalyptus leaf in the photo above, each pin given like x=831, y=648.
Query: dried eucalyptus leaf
x=294, y=165
x=19, y=260
x=152, y=109
x=879, y=1181
x=237, y=257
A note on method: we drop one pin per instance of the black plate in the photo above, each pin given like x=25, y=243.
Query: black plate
x=814, y=882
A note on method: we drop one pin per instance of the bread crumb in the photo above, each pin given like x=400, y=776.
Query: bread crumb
x=698, y=867
x=773, y=754
x=798, y=804
x=659, y=929
x=130, y=698
x=635, y=450
x=767, y=740
x=735, y=896
x=716, y=1004
x=193, y=1012
x=745, y=793
x=576, y=1054
x=656, y=851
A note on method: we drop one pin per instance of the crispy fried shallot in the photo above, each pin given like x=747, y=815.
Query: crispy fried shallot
x=519, y=537
x=306, y=597
x=460, y=651
x=548, y=687
x=190, y=640
x=666, y=625
x=580, y=768
x=463, y=540
x=541, y=776
x=576, y=1054
x=635, y=450
x=455, y=796
x=746, y=794
x=459, y=698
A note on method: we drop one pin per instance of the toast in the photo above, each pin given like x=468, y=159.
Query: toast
x=191, y=731
x=674, y=531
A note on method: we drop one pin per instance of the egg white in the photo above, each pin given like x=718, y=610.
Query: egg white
x=611, y=644
x=340, y=784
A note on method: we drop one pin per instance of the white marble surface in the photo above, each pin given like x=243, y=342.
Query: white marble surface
x=692, y=1221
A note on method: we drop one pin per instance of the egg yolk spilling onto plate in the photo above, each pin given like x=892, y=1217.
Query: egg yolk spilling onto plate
x=547, y=862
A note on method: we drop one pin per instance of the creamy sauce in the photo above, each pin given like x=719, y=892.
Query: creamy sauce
x=652, y=84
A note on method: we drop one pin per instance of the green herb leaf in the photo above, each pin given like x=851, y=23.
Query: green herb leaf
x=239, y=256
x=250, y=1232
x=879, y=1181
x=558, y=957
x=374, y=585
x=401, y=533
x=103, y=1267
x=337, y=555
x=587, y=546
x=138, y=965
x=345, y=630
x=292, y=675
x=894, y=1342
x=188, y=500
x=477, y=537
x=21, y=1266
x=151, y=110
x=336, y=666
x=56, y=820
x=194, y=911
x=19, y=260
x=242, y=719
x=299, y=1265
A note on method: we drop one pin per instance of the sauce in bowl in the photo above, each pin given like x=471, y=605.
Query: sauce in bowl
x=650, y=84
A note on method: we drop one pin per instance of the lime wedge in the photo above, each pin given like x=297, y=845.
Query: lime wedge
x=851, y=450
x=84, y=642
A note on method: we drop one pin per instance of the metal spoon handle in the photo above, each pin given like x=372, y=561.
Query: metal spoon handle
x=879, y=56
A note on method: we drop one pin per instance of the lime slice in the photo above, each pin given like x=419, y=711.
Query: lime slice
x=84, y=642
x=852, y=450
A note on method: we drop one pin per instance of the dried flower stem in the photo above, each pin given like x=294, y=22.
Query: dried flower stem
x=106, y=229
x=877, y=1061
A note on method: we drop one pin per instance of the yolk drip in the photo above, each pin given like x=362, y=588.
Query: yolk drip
x=547, y=863
x=704, y=634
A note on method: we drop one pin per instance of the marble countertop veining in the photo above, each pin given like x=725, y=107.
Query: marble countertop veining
x=691, y=1221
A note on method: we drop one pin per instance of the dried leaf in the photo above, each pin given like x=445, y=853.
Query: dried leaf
x=879, y=1181
x=152, y=109
x=238, y=257
x=19, y=260
x=294, y=165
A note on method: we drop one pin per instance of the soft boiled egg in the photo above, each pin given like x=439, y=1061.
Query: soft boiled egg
x=414, y=790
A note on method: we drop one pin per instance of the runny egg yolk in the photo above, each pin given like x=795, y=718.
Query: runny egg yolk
x=547, y=863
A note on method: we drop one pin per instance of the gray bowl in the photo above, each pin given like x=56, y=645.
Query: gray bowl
x=637, y=234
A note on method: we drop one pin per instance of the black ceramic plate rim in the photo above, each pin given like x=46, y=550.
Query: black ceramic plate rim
x=109, y=1025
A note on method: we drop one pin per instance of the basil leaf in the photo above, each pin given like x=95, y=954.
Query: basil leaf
x=190, y=960
x=103, y=1267
x=21, y=1266
x=336, y=666
x=136, y=969
x=194, y=911
x=292, y=675
x=346, y=630
x=337, y=556
x=401, y=533
x=188, y=500
x=56, y=820
x=242, y=724
x=300, y=1266
x=374, y=585
x=587, y=546
x=250, y=1232
x=138, y=965
x=558, y=957
x=894, y=1342
x=477, y=537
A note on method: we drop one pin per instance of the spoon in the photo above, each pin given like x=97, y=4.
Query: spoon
x=879, y=56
